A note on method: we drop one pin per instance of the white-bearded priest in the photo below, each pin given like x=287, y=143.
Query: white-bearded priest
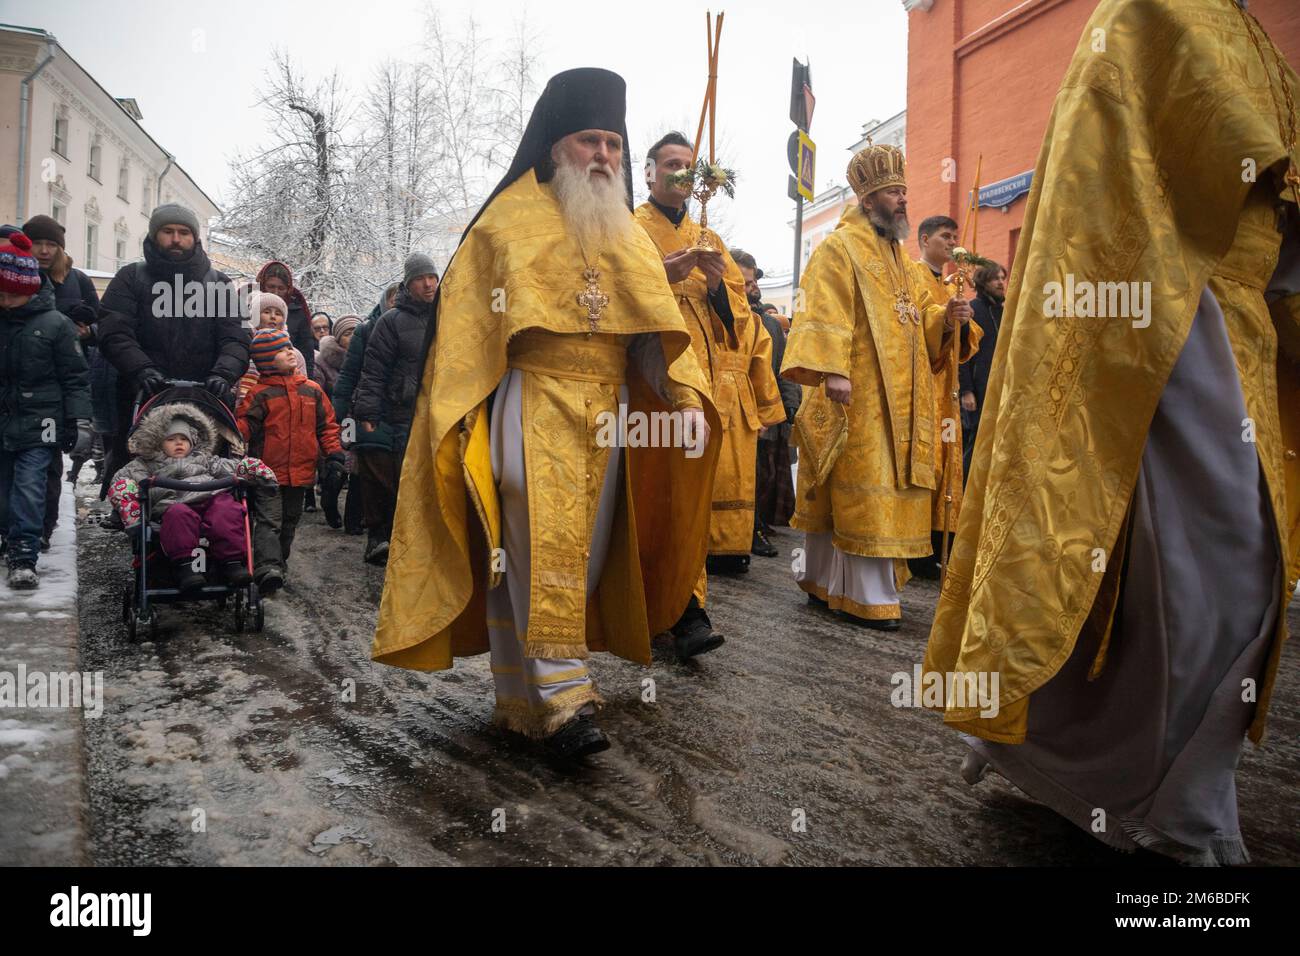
x=519, y=529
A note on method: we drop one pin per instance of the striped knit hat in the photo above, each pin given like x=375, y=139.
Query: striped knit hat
x=19, y=273
x=266, y=343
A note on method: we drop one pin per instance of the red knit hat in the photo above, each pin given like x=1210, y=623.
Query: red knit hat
x=19, y=272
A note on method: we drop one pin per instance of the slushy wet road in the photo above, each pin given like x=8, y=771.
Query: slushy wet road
x=782, y=747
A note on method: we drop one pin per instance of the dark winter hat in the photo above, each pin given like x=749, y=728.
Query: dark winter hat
x=44, y=227
x=19, y=272
x=173, y=214
x=179, y=426
x=267, y=343
x=418, y=264
x=7, y=230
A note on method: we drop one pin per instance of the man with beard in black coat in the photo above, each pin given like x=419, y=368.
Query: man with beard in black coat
x=172, y=316
x=384, y=399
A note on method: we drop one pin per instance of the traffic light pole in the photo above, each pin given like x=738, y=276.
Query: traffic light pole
x=798, y=250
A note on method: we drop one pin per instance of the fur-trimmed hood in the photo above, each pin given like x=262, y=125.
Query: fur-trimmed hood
x=146, y=441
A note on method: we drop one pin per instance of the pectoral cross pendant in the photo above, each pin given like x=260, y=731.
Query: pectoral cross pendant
x=592, y=298
x=904, y=307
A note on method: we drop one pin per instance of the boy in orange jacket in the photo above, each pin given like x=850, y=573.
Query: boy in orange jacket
x=289, y=423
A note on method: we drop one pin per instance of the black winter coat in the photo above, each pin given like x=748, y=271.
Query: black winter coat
x=791, y=392
x=974, y=375
x=345, y=386
x=139, y=327
x=390, y=372
x=43, y=373
x=76, y=297
x=298, y=325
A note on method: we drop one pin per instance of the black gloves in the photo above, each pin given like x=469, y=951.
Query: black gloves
x=218, y=386
x=150, y=381
x=77, y=437
x=336, y=468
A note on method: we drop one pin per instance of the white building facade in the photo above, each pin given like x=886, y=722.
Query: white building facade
x=72, y=151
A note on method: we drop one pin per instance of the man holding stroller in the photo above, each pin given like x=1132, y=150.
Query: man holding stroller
x=172, y=316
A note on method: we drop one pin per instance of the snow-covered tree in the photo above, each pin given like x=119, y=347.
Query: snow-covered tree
x=344, y=193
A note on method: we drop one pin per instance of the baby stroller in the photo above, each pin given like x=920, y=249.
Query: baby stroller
x=153, y=580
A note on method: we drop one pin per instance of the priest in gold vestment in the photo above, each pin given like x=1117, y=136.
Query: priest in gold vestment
x=521, y=528
x=735, y=353
x=862, y=344
x=1131, y=533
x=937, y=237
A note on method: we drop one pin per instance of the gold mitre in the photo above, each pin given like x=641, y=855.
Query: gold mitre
x=875, y=167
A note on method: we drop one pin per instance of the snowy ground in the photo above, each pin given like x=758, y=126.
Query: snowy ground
x=222, y=748
x=41, y=794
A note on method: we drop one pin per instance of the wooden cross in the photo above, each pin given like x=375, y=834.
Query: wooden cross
x=592, y=298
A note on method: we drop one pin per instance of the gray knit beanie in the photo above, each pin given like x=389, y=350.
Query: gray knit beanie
x=418, y=264
x=179, y=426
x=173, y=214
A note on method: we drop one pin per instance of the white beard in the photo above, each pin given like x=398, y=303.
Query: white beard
x=594, y=207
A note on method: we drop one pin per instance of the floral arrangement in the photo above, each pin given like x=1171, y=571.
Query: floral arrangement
x=705, y=177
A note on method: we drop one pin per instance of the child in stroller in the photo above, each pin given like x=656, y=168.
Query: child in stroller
x=176, y=441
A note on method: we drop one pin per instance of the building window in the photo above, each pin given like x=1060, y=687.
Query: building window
x=145, y=190
x=119, y=252
x=60, y=214
x=96, y=158
x=92, y=241
x=61, y=132
x=123, y=179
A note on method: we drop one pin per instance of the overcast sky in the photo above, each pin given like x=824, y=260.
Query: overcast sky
x=200, y=104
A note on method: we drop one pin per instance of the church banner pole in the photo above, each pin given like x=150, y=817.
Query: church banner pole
x=964, y=259
x=708, y=87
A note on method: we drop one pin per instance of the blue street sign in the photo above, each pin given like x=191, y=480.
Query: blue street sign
x=1006, y=191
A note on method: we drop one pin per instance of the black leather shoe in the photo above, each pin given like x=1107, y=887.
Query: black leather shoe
x=761, y=546
x=927, y=569
x=883, y=624
x=727, y=564
x=578, y=738
x=376, y=549
x=693, y=634
x=269, y=580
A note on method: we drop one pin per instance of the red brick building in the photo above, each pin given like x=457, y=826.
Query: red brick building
x=981, y=78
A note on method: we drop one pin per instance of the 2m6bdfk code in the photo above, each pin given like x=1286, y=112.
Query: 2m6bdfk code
x=1215, y=897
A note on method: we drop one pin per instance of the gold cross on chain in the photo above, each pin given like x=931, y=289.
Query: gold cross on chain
x=592, y=298
x=904, y=307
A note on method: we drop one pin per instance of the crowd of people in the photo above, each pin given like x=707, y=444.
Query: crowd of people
x=85, y=366
x=463, y=416
x=361, y=371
